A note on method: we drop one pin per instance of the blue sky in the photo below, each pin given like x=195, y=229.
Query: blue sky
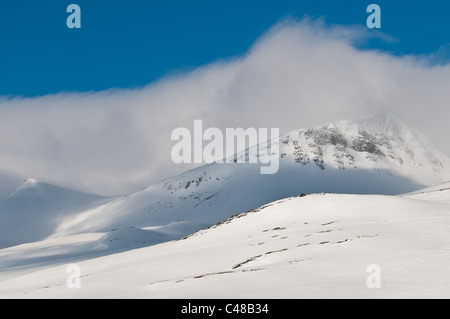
x=126, y=44
x=62, y=121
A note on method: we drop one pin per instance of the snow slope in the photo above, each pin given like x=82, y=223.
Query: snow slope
x=34, y=210
x=301, y=247
x=372, y=155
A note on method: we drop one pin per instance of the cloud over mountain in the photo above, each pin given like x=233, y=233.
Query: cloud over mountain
x=298, y=74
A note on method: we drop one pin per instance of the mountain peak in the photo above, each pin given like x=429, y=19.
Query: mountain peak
x=30, y=182
x=27, y=184
x=377, y=142
x=32, y=188
x=34, y=210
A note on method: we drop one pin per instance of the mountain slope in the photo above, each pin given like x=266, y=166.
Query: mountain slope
x=34, y=210
x=323, y=241
x=377, y=142
x=316, y=246
x=371, y=155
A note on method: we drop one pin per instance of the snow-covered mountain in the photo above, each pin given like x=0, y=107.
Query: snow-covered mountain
x=371, y=155
x=34, y=210
x=376, y=143
x=251, y=225
x=315, y=246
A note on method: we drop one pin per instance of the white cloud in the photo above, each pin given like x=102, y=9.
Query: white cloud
x=297, y=75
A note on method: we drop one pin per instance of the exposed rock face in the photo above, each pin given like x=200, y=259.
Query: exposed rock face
x=374, y=142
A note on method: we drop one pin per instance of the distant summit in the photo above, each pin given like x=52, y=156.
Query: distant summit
x=377, y=142
x=34, y=209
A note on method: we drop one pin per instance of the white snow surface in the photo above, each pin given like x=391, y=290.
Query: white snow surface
x=317, y=246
